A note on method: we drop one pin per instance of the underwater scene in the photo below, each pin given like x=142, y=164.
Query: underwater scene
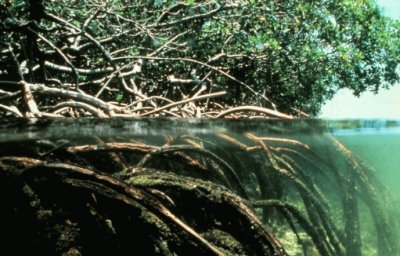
x=200, y=187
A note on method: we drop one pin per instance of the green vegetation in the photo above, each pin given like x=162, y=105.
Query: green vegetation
x=189, y=58
x=257, y=193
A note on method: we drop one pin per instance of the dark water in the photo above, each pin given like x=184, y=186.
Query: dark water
x=292, y=163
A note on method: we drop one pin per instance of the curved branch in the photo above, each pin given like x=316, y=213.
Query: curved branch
x=96, y=71
x=256, y=109
x=12, y=109
x=187, y=19
x=205, y=96
x=248, y=87
x=79, y=96
x=65, y=58
x=72, y=104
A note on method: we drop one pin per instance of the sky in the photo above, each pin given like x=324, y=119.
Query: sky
x=386, y=104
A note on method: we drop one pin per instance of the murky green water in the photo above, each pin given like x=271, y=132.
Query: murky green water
x=382, y=152
x=379, y=147
x=321, y=187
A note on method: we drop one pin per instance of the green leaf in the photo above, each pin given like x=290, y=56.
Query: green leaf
x=119, y=96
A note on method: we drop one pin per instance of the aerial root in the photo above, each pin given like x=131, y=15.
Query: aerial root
x=117, y=212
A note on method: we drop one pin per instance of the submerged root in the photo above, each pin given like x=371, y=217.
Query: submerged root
x=76, y=209
x=190, y=195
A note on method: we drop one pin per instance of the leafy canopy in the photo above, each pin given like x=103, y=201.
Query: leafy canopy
x=295, y=53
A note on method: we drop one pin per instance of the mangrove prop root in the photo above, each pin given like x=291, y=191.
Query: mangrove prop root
x=226, y=211
x=189, y=196
x=227, y=172
x=302, y=220
x=77, y=210
x=387, y=242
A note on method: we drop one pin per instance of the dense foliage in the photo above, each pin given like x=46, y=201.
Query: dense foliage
x=289, y=56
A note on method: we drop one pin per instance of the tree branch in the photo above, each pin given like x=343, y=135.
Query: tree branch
x=78, y=96
x=205, y=96
x=256, y=109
